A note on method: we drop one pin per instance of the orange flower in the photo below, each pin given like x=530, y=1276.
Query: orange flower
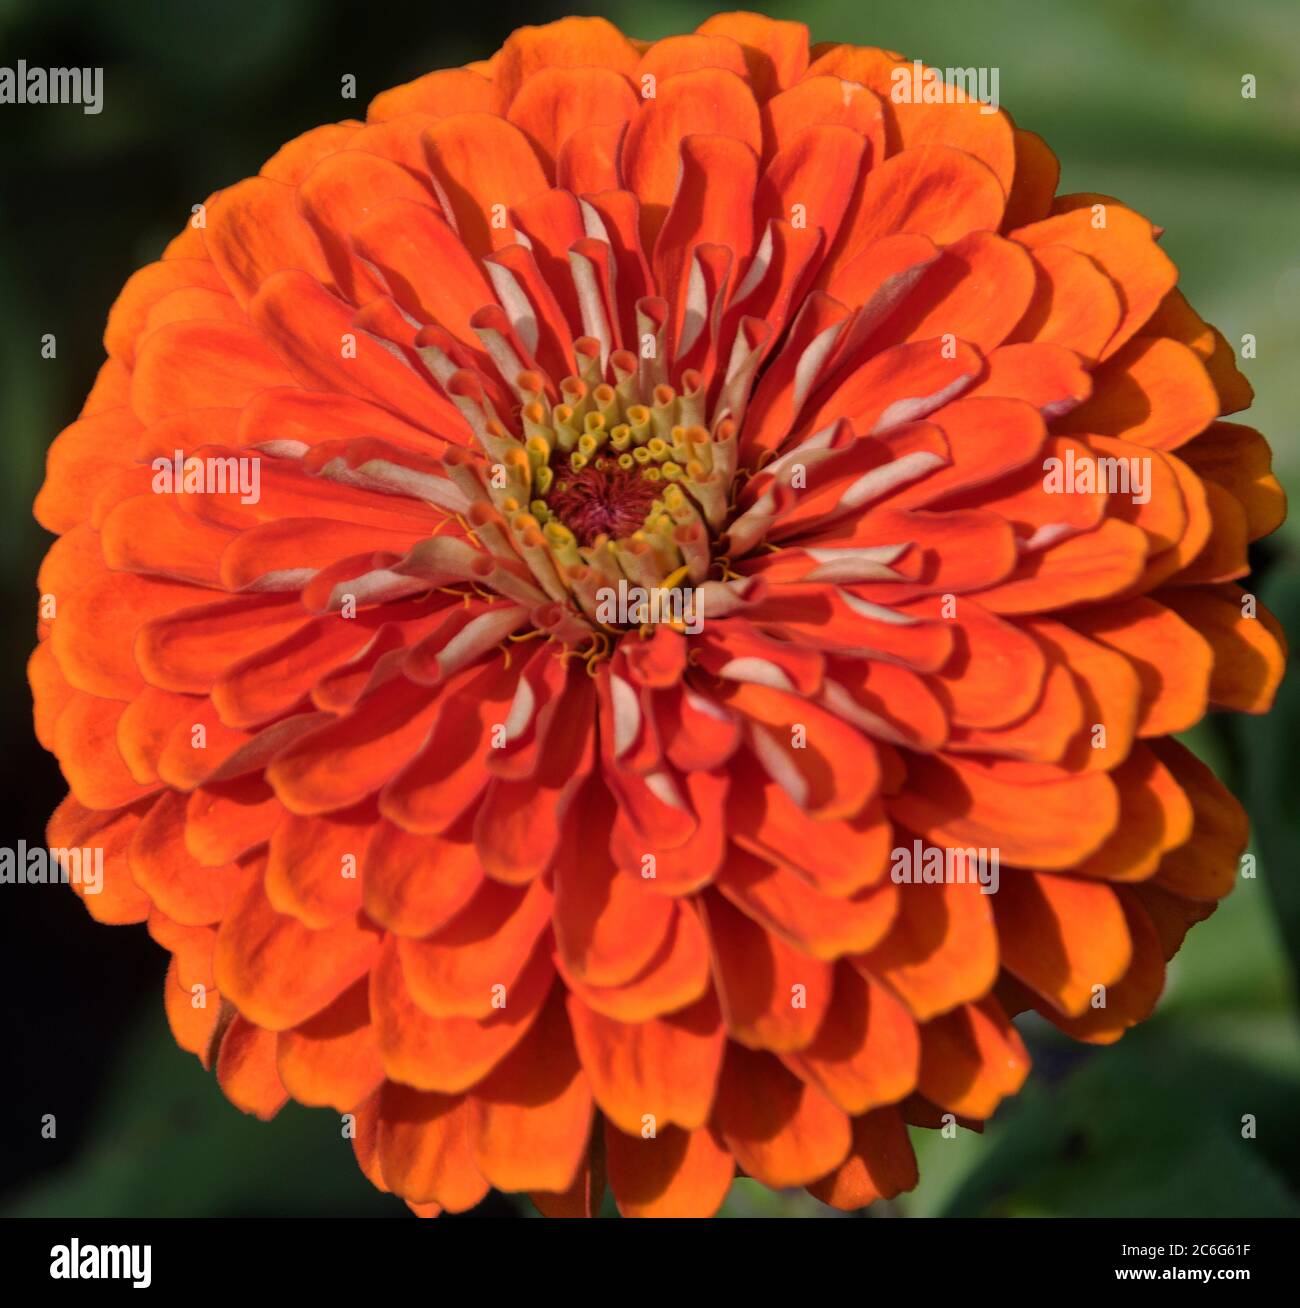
x=689, y=497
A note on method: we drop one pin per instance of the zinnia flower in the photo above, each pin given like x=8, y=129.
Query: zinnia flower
x=541, y=893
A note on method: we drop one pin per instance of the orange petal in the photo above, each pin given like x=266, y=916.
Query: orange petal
x=1045, y=375
x=568, y=43
x=986, y=437
x=51, y=695
x=772, y=996
x=313, y=868
x=934, y=190
x=480, y=161
x=142, y=292
x=1224, y=556
x=867, y=1050
x=589, y=161
x=442, y=781
x=713, y=204
x=832, y=774
x=457, y=970
x=145, y=534
x=1043, y=735
x=1239, y=459
x=961, y=803
x=705, y=101
x=423, y=1148
x=254, y=230
x=979, y=289
x=365, y=1142
x=1123, y=245
x=996, y=673
x=85, y=743
x=305, y=324
x=1075, y=304
x=191, y=949
x=1249, y=652
x=880, y=1164
x=666, y=1068
x=821, y=925
x=192, y=1017
x=1060, y=936
x=81, y=456
x=1090, y=566
x=94, y=635
x=674, y=1173
x=958, y=121
x=941, y=951
x=406, y=242
x=555, y=102
x=608, y=925
x=677, y=976
x=1131, y=999
x=224, y=821
x=187, y=648
x=587, y=1193
x=294, y=160
x=681, y=54
x=837, y=857
x=415, y=884
x=1175, y=317
x=1155, y=817
x=332, y=1059
x=442, y=92
x=246, y=1069
x=164, y=868
x=971, y=1059
x=1171, y=915
x=824, y=101
x=530, y=1120
x=1153, y=392
x=71, y=826
x=1037, y=172
x=276, y=971
x=781, y=1131
x=450, y=1054
x=342, y=762
x=1205, y=867
x=1109, y=688
x=776, y=52
x=202, y=364
x=1172, y=659
x=1164, y=516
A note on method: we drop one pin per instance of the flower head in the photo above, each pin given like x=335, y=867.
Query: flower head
x=373, y=662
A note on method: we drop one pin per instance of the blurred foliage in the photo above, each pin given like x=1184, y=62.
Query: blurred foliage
x=178, y=1148
x=1141, y=101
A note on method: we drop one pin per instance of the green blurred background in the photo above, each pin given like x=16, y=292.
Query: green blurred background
x=1142, y=101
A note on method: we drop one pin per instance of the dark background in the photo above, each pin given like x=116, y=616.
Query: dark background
x=1141, y=101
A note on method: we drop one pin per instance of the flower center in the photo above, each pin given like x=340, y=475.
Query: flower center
x=619, y=476
x=609, y=495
